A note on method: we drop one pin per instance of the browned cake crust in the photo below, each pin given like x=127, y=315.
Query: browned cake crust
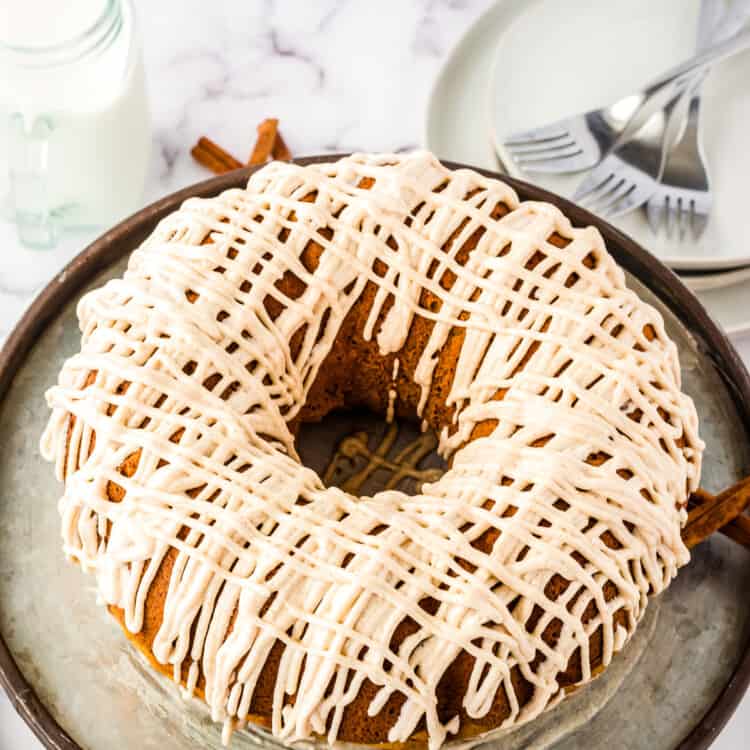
x=356, y=375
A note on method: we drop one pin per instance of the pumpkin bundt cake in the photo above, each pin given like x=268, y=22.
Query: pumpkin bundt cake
x=393, y=283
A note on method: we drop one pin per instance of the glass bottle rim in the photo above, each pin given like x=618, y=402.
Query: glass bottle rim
x=96, y=37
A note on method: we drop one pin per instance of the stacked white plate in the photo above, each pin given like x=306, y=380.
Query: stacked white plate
x=525, y=64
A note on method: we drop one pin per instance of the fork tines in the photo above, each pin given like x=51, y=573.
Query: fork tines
x=553, y=149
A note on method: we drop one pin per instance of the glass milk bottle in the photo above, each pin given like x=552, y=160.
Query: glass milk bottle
x=74, y=125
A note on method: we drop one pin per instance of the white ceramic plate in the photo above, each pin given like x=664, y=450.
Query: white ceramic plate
x=556, y=59
x=730, y=306
x=457, y=128
x=701, y=281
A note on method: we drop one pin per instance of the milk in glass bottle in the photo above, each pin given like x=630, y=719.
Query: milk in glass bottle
x=74, y=124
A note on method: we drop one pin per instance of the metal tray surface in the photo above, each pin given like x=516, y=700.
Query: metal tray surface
x=77, y=682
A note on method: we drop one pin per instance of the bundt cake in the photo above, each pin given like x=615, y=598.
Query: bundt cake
x=392, y=283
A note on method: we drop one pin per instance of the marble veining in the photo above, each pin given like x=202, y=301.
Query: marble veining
x=227, y=65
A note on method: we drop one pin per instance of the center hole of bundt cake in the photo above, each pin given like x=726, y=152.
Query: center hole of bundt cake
x=362, y=453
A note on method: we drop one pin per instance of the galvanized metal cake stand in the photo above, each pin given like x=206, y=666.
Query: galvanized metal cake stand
x=77, y=683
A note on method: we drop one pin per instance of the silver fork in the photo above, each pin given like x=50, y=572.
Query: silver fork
x=629, y=174
x=579, y=142
x=683, y=198
x=575, y=143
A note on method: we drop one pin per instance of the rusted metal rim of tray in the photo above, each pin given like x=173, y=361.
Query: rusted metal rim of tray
x=127, y=235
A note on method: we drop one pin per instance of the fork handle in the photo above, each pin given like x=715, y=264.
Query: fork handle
x=674, y=82
x=713, y=28
x=712, y=55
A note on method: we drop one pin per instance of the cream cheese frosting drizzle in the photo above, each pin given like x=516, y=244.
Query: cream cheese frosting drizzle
x=182, y=364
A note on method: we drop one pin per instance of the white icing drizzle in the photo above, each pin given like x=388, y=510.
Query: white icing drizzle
x=391, y=405
x=254, y=565
x=392, y=393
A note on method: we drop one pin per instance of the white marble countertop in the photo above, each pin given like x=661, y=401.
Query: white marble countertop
x=340, y=76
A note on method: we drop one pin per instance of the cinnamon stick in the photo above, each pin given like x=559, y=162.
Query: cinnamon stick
x=269, y=143
x=214, y=157
x=267, y=134
x=280, y=150
x=710, y=513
